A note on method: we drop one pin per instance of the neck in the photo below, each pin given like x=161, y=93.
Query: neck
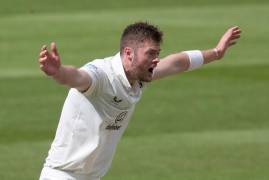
x=131, y=81
x=128, y=72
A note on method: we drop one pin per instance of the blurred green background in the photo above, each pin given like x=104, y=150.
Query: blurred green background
x=209, y=124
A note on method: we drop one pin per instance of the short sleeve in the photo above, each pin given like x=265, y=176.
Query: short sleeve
x=97, y=76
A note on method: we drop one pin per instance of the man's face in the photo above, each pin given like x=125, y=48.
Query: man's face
x=146, y=58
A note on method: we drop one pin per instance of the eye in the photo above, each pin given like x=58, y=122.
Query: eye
x=153, y=54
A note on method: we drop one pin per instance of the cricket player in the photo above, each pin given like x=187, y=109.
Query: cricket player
x=104, y=93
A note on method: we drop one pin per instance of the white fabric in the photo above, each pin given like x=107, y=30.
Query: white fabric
x=54, y=174
x=92, y=123
x=196, y=59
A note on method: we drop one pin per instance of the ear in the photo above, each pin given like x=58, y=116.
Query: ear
x=129, y=53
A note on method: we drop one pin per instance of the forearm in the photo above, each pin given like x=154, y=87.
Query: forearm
x=210, y=55
x=184, y=61
x=72, y=77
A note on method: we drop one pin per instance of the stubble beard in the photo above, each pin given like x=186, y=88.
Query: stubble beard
x=139, y=74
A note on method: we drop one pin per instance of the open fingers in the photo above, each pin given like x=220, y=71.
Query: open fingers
x=234, y=28
x=232, y=43
x=238, y=30
x=235, y=36
x=232, y=34
x=44, y=52
x=236, y=33
x=53, y=48
x=44, y=47
x=44, y=55
x=42, y=60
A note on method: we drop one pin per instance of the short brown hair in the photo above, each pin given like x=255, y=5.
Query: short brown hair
x=139, y=32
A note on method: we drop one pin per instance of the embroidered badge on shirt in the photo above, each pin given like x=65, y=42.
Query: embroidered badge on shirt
x=116, y=100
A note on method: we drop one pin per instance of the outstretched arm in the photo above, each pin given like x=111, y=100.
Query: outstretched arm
x=51, y=65
x=180, y=62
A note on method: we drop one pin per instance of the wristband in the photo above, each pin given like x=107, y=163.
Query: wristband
x=196, y=59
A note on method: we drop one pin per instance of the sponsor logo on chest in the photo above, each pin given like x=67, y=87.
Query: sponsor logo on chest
x=117, y=123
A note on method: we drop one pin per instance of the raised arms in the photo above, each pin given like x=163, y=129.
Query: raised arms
x=179, y=62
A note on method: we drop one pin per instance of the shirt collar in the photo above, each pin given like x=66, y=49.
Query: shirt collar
x=119, y=70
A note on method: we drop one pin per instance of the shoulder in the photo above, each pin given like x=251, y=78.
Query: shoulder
x=99, y=64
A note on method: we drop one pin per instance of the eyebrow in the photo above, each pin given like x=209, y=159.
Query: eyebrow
x=155, y=50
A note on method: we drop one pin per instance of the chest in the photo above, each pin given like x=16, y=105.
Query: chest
x=117, y=96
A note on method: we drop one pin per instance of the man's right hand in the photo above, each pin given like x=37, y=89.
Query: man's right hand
x=49, y=61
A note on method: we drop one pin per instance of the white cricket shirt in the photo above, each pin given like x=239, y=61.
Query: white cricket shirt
x=92, y=123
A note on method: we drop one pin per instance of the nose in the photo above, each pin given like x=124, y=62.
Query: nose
x=156, y=61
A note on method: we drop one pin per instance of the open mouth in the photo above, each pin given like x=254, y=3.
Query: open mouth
x=151, y=70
